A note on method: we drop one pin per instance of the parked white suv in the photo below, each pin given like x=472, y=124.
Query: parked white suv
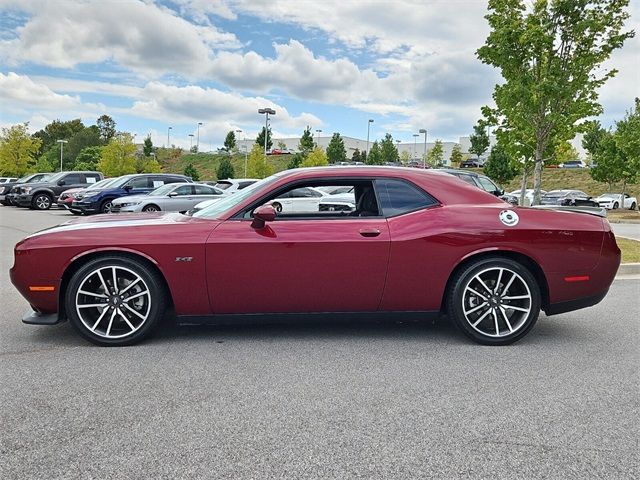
x=612, y=201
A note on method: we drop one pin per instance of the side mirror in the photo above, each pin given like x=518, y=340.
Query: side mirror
x=127, y=187
x=172, y=194
x=262, y=215
x=61, y=183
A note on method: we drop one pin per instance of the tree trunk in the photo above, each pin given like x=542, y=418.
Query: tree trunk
x=624, y=187
x=523, y=185
x=537, y=173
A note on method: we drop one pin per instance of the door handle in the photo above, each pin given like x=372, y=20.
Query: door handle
x=369, y=232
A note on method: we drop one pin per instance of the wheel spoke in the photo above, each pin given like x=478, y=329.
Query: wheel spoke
x=115, y=280
x=506, y=319
x=104, y=284
x=506, y=288
x=474, y=309
x=136, y=295
x=115, y=310
x=96, y=295
x=484, y=285
x=516, y=297
x=495, y=320
x=126, y=289
x=133, y=311
x=495, y=290
x=477, y=293
x=92, y=305
x=482, y=317
x=95, y=325
x=124, y=317
x=520, y=309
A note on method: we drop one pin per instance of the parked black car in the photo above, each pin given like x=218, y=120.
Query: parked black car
x=41, y=195
x=6, y=194
x=472, y=163
x=99, y=201
x=573, y=198
x=476, y=179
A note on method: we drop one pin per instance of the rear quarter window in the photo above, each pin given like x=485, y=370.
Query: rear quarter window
x=398, y=197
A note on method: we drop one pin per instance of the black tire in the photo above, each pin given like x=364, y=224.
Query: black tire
x=41, y=201
x=615, y=205
x=154, y=309
x=633, y=206
x=277, y=206
x=105, y=206
x=151, y=208
x=75, y=213
x=522, y=322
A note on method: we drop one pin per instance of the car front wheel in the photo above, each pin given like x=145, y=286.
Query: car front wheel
x=115, y=300
x=615, y=206
x=41, y=201
x=494, y=301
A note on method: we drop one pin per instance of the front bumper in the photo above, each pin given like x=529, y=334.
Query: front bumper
x=23, y=200
x=115, y=208
x=84, y=207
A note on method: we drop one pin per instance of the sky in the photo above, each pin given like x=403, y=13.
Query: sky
x=332, y=65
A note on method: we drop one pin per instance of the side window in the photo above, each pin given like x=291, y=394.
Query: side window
x=92, y=177
x=301, y=193
x=184, y=190
x=487, y=185
x=139, y=182
x=468, y=179
x=73, y=179
x=172, y=179
x=241, y=185
x=398, y=197
x=204, y=190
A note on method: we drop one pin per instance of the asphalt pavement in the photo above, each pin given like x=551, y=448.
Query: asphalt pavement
x=338, y=400
x=629, y=230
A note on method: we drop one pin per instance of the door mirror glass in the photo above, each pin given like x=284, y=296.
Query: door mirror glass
x=61, y=183
x=172, y=194
x=263, y=214
x=127, y=187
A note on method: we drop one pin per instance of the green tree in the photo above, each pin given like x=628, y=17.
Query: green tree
x=58, y=130
x=87, y=137
x=456, y=155
x=18, y=150
x=88, y=158
x=151, y=165
x=230, y=141
x=147, y=147
x=257, y=165
x=435, y=157
x=627, y=138
x=551, y=57
x=593, y=133
x=563, y=152
x=306, y=141
x=43, y=165
x=335, y=150
x=225, y=169
x=296, y=161
x=118, y=156
x=355, y=156
x=316, y=158
x=374, y=157
x=260, y=139
x=479, y=139
x=405, y=157
x=191, y=171
x=107, y=128
x=610, y=161
x=388, y=149
x=499, y=166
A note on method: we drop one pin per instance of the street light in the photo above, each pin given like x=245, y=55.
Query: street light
x=238, y=131
x=61, y=142
x=368, y=125
x=318, y=131
x=244, y=147
x=190, y=142
x=198, y=138
x=415, y=139
x=424, y=159
x=266, y=112
x=168, y=137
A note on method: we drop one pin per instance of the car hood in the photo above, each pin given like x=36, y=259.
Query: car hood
x=109, y=220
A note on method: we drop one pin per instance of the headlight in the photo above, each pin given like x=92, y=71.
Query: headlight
x=129, y=204
x=2, y=189
x=87, y=195
x=26, y=189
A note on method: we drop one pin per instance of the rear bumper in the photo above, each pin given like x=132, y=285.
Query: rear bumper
x=36, y=318
x=569, y=306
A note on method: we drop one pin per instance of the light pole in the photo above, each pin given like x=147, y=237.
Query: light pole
x=318, y=131
x=245, y=160
x=198, y=138
x=168, y=137
x=190, y=142
x=266, y=112
x=368, y=125
x=61, y=142
x=415, y=152
x=398, y=148
x=424, y=159
x=237, y=131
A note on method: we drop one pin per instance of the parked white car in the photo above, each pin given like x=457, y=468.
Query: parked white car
x=172, y=197
x=613, y=201
x=232, y=185
x=528, y=195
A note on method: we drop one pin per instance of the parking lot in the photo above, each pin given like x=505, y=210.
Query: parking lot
x=340, y=400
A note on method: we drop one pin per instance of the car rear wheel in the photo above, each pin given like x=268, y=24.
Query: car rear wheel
x=41, y=201
x=105, y=207
x=615, y=205
x=633, y=206
x=115, y=301
x=494, y=301
x=151, y=208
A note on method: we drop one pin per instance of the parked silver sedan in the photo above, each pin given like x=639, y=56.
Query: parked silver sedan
x=172, y=197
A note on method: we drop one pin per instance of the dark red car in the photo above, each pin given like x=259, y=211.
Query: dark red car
x=419, y=243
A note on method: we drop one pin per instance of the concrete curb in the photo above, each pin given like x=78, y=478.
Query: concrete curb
x=628, y=269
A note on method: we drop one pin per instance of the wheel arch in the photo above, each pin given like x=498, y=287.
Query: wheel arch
x=78, y=261
x=152, y=205
x=523, y=259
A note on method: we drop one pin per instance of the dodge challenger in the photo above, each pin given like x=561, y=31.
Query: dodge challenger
x=418, y=244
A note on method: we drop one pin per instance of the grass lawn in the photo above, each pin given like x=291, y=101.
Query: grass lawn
x=630, y=250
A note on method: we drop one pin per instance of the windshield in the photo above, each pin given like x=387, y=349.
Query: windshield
x=217, y=209
x=223, y=185
x=53, y=178
x=102, y=184
x=118, y=182
x=163, y=190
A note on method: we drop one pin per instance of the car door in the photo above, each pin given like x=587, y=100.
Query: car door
x=184, y=199
x=298, y=265
x=203, y=193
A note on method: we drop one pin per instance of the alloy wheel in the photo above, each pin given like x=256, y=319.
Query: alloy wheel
x=496, y=302
x=43, y=202
x=106, y=208
x=113, y=302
